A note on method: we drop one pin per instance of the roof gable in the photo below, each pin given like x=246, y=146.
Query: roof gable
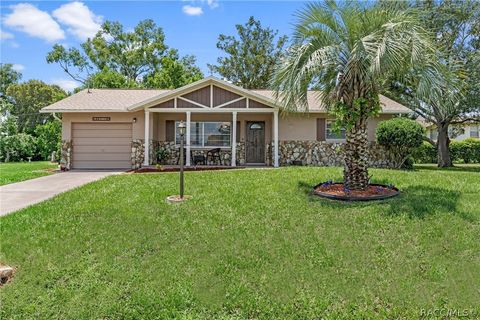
x=207, y=93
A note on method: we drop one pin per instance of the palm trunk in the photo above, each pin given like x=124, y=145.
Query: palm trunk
x=355, y=172
x=444, y=159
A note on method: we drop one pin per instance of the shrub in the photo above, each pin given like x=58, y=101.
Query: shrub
x=49, y=136
x=465, y=151
x=425, y=153
x=401, y=136
x=17, y=147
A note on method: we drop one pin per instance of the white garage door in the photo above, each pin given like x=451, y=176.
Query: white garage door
x=101, y=145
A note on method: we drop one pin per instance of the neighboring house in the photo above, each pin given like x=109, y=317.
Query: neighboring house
x=124, y=128
x=456, y=132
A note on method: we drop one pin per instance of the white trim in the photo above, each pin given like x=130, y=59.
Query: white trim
x=187, y=156
x=193, y=102
x=175, y=102
x=198, y=85
x=248, y=103
x=214, y=110
x=233, y=138
x=229, y=102
x=84, y=111
x=146, y=149
x=275, y=139
x=211, y=96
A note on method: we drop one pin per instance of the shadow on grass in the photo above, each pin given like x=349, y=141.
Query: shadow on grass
x=417, y=202
x=456, y=168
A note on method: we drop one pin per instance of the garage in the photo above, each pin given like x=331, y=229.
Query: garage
x=101, y=145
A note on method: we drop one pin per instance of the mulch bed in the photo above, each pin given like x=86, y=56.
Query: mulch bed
x=175, y=169
x=336, y=191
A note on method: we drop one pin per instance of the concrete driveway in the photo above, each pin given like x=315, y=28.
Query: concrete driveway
x=20, y=195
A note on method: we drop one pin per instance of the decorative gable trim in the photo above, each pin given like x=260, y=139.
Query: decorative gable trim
x=202, y=94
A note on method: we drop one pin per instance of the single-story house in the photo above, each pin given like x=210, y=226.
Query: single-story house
x=456, y=132
x=129, y=128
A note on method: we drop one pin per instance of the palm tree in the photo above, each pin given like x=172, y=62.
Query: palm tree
x=346, y=51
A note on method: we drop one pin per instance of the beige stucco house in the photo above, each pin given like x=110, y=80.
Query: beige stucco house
x=128, y=128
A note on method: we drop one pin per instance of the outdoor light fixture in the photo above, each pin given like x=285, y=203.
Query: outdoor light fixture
x=134, y=120
x=181, y=128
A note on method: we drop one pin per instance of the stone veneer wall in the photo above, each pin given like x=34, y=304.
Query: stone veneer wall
x=137, y=153
x=66, y=156
x=173, y=153
x=322, y=153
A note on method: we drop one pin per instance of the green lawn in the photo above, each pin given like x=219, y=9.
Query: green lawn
x=19, y=171
x=250, y=244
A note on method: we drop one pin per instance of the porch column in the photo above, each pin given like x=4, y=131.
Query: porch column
x=146, y=152
x=275, y=138
x=187, y=155
x=234, y=139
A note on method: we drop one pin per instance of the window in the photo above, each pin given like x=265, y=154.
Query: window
x=207, y=134
x=434, y=134
x=331, y=134
x=474, y=131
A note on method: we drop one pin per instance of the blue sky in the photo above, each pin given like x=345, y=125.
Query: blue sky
x=30, y=28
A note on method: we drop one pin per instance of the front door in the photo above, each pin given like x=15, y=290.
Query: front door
x=255, y=142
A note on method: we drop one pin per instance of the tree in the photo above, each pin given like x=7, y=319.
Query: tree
x=8, y=76
x=401, y=136
x=28, y=98
x=456, y=26
x=49, y=139
x=251, y=58
x=118, y=58
x=346, y=50
x=175, y=73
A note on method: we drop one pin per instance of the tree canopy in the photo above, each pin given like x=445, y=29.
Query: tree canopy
x=346, y=50
x=455, y=25
x=28, y=98
x=8, y=76
x=119, y=59
x=251, y=57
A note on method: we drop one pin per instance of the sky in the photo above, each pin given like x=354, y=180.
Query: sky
x=29, y=29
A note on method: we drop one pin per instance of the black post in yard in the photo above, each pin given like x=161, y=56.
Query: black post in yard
x=182, y=128
x=181, y=167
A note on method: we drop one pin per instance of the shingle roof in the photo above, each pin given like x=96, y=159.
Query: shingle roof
x=103, y=99
x=314, y=104
x=119, y=100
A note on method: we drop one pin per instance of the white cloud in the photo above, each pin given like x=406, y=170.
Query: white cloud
x=212, y=3
x=79, y=19
x=6, y=35
x=192, y=11
x=66, y=84
x=18, y=67
x=34, y=22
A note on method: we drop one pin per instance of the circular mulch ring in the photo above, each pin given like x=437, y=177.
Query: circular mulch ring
x=336, y=191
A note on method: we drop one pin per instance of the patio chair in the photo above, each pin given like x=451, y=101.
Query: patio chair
x=213, y=156
x=199, y=159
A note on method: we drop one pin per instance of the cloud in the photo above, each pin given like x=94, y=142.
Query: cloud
x=34, y=22
x=66, y=84
x=18, y=67
x=212, y=3
x=6, y=35
x=192, y=11
x=79, y=19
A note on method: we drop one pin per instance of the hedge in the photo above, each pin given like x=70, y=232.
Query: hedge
x=466, y=151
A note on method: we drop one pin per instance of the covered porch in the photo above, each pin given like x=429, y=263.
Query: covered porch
x=225, y=126
x=233, y=138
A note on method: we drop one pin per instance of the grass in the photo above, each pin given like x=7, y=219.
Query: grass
x=250, y=244
x=19, y=171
